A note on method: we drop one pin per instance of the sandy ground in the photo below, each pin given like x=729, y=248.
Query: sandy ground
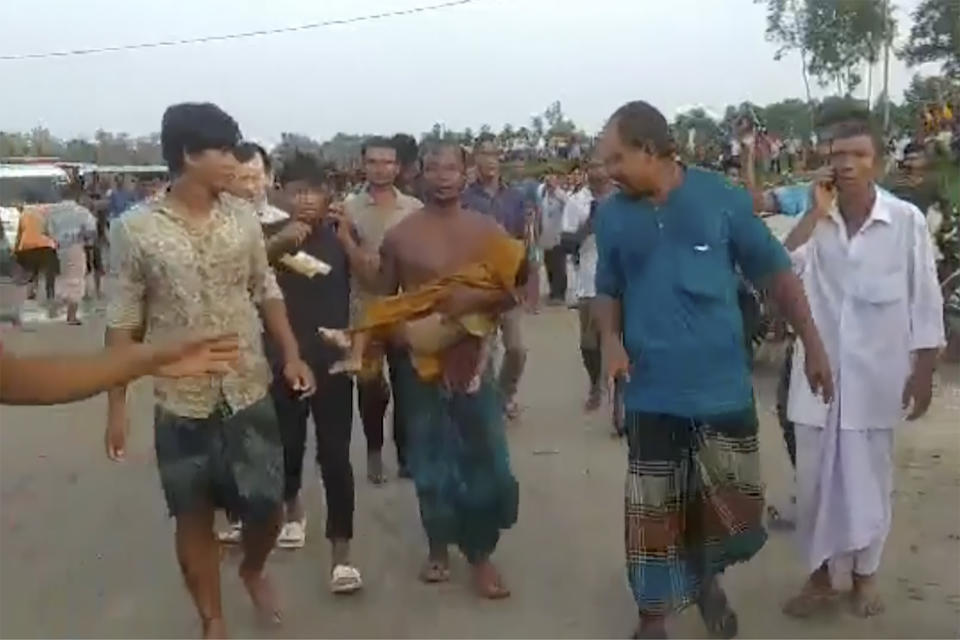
x=86, y=548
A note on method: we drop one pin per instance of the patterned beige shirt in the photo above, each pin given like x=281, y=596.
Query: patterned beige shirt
x=175, y=278
x=372, y=223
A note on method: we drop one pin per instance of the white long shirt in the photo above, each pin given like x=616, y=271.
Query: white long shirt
x=875, y=299
x=575, y=213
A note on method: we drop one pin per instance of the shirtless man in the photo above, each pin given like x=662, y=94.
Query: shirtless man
x=466, y=490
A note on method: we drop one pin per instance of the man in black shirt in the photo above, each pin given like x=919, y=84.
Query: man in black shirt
x=313, y=272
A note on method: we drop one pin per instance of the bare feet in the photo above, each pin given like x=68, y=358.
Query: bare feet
x=864, y=599
x=336, y=337
x=263, y=595
x=350, y=366
x=488, y=581
x=434, y=571
x=214, y=628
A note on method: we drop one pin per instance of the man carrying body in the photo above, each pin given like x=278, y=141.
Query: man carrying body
x=866, y=260
x=194, y=261
x=668, y=244
x=509, y=207
x=372, y=213
x=457, y=447
x=578, y=218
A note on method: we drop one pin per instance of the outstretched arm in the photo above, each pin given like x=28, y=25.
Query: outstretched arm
x=56, y=380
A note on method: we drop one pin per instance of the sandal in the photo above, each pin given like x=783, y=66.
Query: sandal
x=720, y=619
x=434, y=572
x=345, y=579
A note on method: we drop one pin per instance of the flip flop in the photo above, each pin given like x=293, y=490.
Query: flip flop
x=345, y=579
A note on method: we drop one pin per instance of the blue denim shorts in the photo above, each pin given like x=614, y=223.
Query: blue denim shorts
x=230, y=461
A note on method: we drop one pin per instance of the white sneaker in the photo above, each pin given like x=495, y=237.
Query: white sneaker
x=345, y=579
x=293, y=535
x=233, y=535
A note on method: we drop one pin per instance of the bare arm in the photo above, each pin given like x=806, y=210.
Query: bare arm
x=55, y=380
x=823, y=196
x=607, y=312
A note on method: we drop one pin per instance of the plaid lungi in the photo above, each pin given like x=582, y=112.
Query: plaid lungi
x=694, y=503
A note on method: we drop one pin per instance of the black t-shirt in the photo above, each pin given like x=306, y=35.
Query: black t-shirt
x=320, y=301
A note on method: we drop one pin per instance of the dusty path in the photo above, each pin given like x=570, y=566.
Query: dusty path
x=86, y=549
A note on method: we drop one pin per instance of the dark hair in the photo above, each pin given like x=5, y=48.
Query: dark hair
x=639, y=124
x=192, y=127
x=432, y=147
x=306, y=167
x=485, y=137
x=855, y=126
x=378, y=142
x=407, y=149
x=246, y=151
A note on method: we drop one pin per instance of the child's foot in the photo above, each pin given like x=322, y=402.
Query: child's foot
x=350, y=366
x=336, y=337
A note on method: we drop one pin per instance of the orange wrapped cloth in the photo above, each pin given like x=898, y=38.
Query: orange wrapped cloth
x=496, y=270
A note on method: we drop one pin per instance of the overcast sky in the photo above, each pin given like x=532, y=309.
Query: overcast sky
x=492, y=61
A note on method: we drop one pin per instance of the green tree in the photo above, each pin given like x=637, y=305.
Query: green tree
x=935, y=36
x=706, y=129
x=790, y=117
x=786, y=26
x=506, y=134
x=840, y=35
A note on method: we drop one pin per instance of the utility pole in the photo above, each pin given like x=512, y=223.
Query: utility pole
x=888, y=36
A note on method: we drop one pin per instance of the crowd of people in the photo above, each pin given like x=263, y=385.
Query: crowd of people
x=259, y=298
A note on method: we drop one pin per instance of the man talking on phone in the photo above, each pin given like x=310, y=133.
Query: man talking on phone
x=866, y=261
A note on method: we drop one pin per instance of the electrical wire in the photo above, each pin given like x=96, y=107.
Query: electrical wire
x=234, y=36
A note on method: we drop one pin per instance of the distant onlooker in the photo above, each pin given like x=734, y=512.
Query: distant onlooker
x=122, y=197
x=71, y=226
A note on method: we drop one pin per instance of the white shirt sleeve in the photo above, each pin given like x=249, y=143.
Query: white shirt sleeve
x=926, y=301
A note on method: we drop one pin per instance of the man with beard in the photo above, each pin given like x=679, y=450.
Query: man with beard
x=668, y=247
x=194, y=261
x=457, y=448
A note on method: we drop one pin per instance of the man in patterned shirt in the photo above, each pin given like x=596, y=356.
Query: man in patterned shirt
x=194, y=261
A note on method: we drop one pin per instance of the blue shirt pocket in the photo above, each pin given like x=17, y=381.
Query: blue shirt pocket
x=704, y=272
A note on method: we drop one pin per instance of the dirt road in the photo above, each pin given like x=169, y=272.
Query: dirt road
x=86, y=547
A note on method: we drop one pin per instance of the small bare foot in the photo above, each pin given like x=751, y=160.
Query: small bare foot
x=489, y=582
x=434, y=571
x=214, y=628
x=263, y=595
x=350, y=366
x=336, y=337
x=864, y=599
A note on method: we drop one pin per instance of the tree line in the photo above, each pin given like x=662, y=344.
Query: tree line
x=835, y=40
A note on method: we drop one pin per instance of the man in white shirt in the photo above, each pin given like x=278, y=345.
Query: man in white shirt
x=553, y=200
x=578, y=232
x=867, y=266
